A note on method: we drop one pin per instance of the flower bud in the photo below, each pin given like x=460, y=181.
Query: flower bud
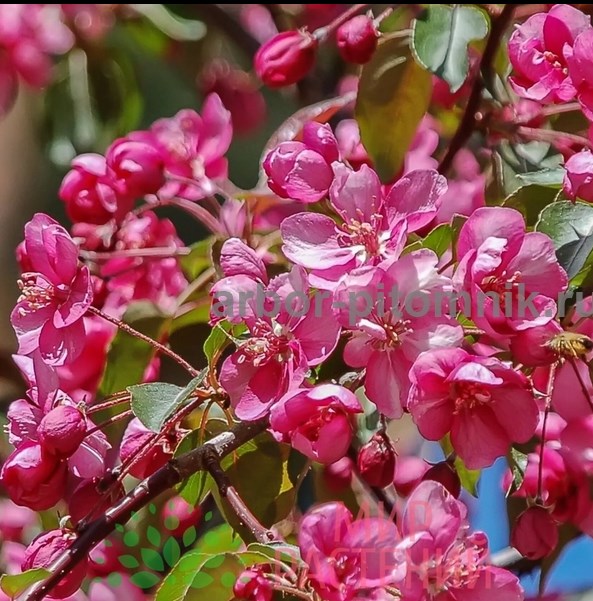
x=179, y=516
x=138, y=165
x=408, y=474
x=338, y=476
x=445, y=474
x=376, y=461
x=578, y=179
x=34, y=478
x=45, y=549
x=535, y=533
x=253, y=586
x=286, y=58
x=62, y=430
x=357, y=40
x=88, y=501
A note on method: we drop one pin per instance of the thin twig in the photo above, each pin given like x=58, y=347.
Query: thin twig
x=124, y=327
x=174, y=472
x=260, y=533
x=469, y=119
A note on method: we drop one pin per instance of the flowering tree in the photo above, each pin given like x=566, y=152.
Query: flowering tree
x=417, y=250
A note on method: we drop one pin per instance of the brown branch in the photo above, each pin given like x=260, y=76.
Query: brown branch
x=470, y=118
x=174, y=472
x=261, y=533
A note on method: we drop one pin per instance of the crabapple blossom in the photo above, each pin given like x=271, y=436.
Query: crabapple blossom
x=578, y=179
x=252, y=585
x=409, y=471
x=302, y=170
x=538, y=50
x=346, y=557
x=62, y=430
x=55, y=294
x=373, y=227
x=483, y=403
x=535, y=533
x=316, y=421
x=14, y=520
x=45, y=549
x=390, y=333
x=580, y=68
x=357, y=39
x=437, y=557
x=510, y=277
x=286, y=58
x=376, y=461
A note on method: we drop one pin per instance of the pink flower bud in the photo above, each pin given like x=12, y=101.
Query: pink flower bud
x=535, y=534
x=34, y=478
x=62, y=430
x=178, y=515
x=137, y=164
x=45, y=549
x=286, y=58
x=376, y=461
x=91, y=192
x=357, y=40
x=578, y=180
x=87, y=501
x=446, y=474
x=338, y=475
x=253, y=586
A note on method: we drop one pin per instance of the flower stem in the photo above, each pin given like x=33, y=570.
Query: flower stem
x=323, y=33
x=108, y=422
x=124, y=327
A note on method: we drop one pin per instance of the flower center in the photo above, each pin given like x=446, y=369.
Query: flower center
x=504, y=286
x=363, y=233
x=395, y=331
x=553, y=59
x=469, y=395
x=311, y=428
x=36, y=291
x=265, y=344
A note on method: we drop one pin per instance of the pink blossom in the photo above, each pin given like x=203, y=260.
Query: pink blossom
x=350, y=144
x=14, y=520
x=302, y=170
x=373, y=227
x=29, y=36
x=45, y=549
x=510, y=277
x=381, y=304
x=578, y=179
x=580, y=68
x=347, y=558
x=158, y=279
x=252, y=585
x=289, y=330
x=409, y=472
x=316, y=421
x=357, y=39
x=55, y=294
x=123, y=588
x=438, y=558
x=535, y=533
x=531, y=346
x=62, y=430
x=538, y=50
x=483, y=403
x=33, y=477
x=92, y=193
x=376, y=461
x=193, y=146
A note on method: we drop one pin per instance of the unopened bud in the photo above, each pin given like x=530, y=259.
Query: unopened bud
x=535, y=533
x=376, y=461
x=445, y=474
x=62, y=430
x=357, y=40
x=253, y=586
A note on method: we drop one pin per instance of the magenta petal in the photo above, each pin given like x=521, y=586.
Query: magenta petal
x=63, y=345
x=236, y=258
x=79, y=300
x=356, y=195
x=493, y=584
x=386, y=382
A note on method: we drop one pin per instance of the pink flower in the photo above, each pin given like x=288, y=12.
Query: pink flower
x=157, y=279
x=347, y=557
x=289, y=330
x=14, y=519
x=92, y=193
x=316, y=421
x=286, y=58
x=376, y=461
x=397, y=312
x=510, y=278
x=357, y=39
x=535, y=533
x=350, y=144
x=483, y=403
x=45, y=549
x=580, y=67
x=373, y=227
x=34, y=478
x=438, y=558
x=137, y=165
x=578, y=179
x=55, y=294
x=62, y=430
x=193, y=148
x=252, y=585
x=538, y=50
x=302, y=170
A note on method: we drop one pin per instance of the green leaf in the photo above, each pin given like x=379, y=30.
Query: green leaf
x=172, y=551
x=518, y=465
x=570, y=226
x=221, y=335
x=189, y=536
x=393, y=95
x=15, y=584
x=198, y=259
x=154, y=403
x=440, y=39
x=220, y=539
x=152, y=560
x=545, y=177
x=129, y=356
x=277, y=552
x=439, y=240
x=531, y=200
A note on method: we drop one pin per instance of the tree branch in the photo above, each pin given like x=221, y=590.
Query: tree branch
x=469, y=119
x=174, y=472
x=511, y=559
